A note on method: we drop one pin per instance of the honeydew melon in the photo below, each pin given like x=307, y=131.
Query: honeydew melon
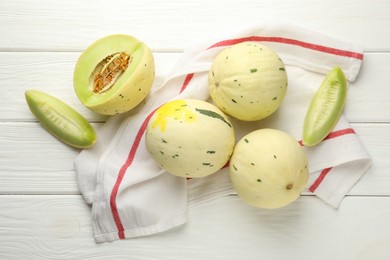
x=325, y=108
x=248, y=81
x=190, y=138
x=61, y=120
x=268, y=169
x=114, y=74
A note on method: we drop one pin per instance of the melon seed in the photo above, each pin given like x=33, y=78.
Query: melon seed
x=109, y=70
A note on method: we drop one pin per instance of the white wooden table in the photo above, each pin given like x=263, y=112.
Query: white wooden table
x=42, y=214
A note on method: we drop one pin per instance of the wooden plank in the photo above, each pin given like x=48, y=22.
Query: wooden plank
x=42, y=182
x=71, y=25
x=59, y=227
x=376, y=139
x=368, y=96
x=34, y=162
x=42, y=215
x=29, y=147
x=53, y=73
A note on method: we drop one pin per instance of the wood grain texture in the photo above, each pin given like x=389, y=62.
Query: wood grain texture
x=52, y=72
x=43, y=216
x=60, y=228
x=34, y=162
x=368, y=96
x=72, y=25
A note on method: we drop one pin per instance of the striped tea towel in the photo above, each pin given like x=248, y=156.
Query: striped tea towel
x=131, y=196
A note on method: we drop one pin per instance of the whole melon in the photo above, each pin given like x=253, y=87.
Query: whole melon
x=248, y=81
x=268, y=168
x=190, y=138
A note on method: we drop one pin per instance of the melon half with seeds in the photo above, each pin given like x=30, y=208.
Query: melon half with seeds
x=248, y=81
x=268, y=169
x=114, y=74
x=190, y=138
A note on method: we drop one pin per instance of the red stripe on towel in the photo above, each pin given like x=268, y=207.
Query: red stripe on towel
x=122, y=172
x=307, y=45
x=341, y=132
x=186, y=81
x=335, y=134
x=188, y=78
x=129, y=161
x=324, y=172
x=320, y=178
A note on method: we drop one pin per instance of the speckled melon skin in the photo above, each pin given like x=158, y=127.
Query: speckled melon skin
x=190, y=138
x=248, y=81
x=268, y=169
x=128, y=91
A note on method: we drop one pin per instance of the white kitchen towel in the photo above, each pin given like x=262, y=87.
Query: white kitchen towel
x=132, y=196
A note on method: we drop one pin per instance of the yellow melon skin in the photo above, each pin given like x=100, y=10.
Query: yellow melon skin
x=248, y=81
x=268, y=169
x=190, y=138
x=130, y=89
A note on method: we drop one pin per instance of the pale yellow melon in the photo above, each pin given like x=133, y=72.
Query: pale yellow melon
x=190, y=138
x=268, y=168
x=248, y=81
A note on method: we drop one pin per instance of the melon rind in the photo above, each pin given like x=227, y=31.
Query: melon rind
x=190, y=138
x=130, y=89
x=248, y=81
x=268, y=169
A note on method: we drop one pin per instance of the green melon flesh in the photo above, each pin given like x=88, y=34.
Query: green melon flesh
x=60, y=119
x=325, y=108
x=129, y=88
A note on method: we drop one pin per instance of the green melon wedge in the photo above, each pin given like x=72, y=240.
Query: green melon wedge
x=60, y=119
x=325, y=108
